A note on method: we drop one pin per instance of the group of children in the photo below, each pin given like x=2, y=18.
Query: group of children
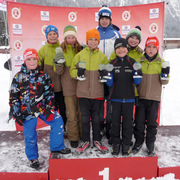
x=49, y=83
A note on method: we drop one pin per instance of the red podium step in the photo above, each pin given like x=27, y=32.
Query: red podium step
x=103, y=168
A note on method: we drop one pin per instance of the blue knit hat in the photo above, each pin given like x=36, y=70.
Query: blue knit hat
x=51, y=28
x=105, y=12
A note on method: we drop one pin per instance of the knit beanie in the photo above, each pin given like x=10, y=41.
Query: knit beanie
x=135, y=32
x=51, y=28
x=120, y=42
x=92, y=33
x=70, y=30
x=105, y=12
x=153, y=40
x=30, y=53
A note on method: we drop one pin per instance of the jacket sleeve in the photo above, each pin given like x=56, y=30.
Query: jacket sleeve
x=14, y=99
x=49, y=92
x=73, y=69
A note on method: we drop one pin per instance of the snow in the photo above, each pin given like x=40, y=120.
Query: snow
x=167, y=148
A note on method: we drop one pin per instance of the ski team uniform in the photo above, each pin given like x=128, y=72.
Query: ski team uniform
x=122, y=98
x=90, y=91
x=149, y=91
x=69, y=86
x=30, y=94
x=46, y=56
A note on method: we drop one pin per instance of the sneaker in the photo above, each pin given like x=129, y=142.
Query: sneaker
x=115, y=149
x=34, y=163
x=100, y=147
x=82, y=147
x=63, y=151
x=136, y=148
x=74, y=144
x=125, y=150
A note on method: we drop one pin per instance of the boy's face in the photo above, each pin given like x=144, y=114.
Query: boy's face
x=93, y=43
x=121, y=51
x=151, y=50
x=104, y=22
x=52, y=37
x=31, y=63
x=133, y=41
x=71, y=39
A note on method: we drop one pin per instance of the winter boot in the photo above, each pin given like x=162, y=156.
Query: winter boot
x=63, y=151
x=100, y=147
x=151, y=151
x=115, y=149
x=82, y=147
x=74, y=144
x=125, y=150
x=136, y=148
x=34, y=163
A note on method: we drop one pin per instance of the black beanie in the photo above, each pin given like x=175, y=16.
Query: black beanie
x=120, y=42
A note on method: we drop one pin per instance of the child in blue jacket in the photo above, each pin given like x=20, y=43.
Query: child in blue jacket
x=31, y=96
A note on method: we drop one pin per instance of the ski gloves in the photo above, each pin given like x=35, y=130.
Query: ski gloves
x=49, y=113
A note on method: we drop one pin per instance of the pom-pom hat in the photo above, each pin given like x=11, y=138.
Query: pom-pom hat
x=70, y=30
x=51, y=28
x=153, y=40
x=30, y=53
x=135, y=32
x=92, y=33
x=105, y=12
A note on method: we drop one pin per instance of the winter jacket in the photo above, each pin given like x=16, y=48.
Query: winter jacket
x=108, y=37
x=91, y=87
x=30, y=93
x=46, y=56
x=122, y=81
x=151, y=85
x=69, y=84
x=136, y=54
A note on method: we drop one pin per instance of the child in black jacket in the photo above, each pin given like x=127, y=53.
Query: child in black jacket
x=122, y=96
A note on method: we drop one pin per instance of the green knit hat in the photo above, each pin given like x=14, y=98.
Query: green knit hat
x=70, y=30
x=135, y=32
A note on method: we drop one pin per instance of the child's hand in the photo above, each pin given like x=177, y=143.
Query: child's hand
x=18, y=119
x=49, y=113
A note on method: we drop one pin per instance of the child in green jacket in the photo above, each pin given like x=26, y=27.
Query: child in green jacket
x=89, y=90
x=155, y=74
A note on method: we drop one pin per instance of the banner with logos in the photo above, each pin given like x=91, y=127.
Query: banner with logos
x=27, y=24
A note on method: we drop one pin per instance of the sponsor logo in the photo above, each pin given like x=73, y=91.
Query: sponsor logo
x=16, y=13
x=17, y=29
x=43, y=29
x=17, y=45
x=45, y=16
x=72, y=16
x=153, y=28
x=126, y=29
x=18, y=59
x=154, y=13
x=126, y=15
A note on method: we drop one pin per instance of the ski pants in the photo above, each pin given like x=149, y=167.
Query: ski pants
x=30, y=135
x=90, y=109
x=126, y=111
x=145, y=118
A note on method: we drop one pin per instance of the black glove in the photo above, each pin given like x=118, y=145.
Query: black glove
x=166, y=70
x=80, y=72
x=18, y=119
x=49, y=113
x=103, y=72
x=139, y=72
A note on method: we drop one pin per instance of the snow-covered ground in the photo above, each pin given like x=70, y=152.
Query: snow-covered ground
x=18, y=162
